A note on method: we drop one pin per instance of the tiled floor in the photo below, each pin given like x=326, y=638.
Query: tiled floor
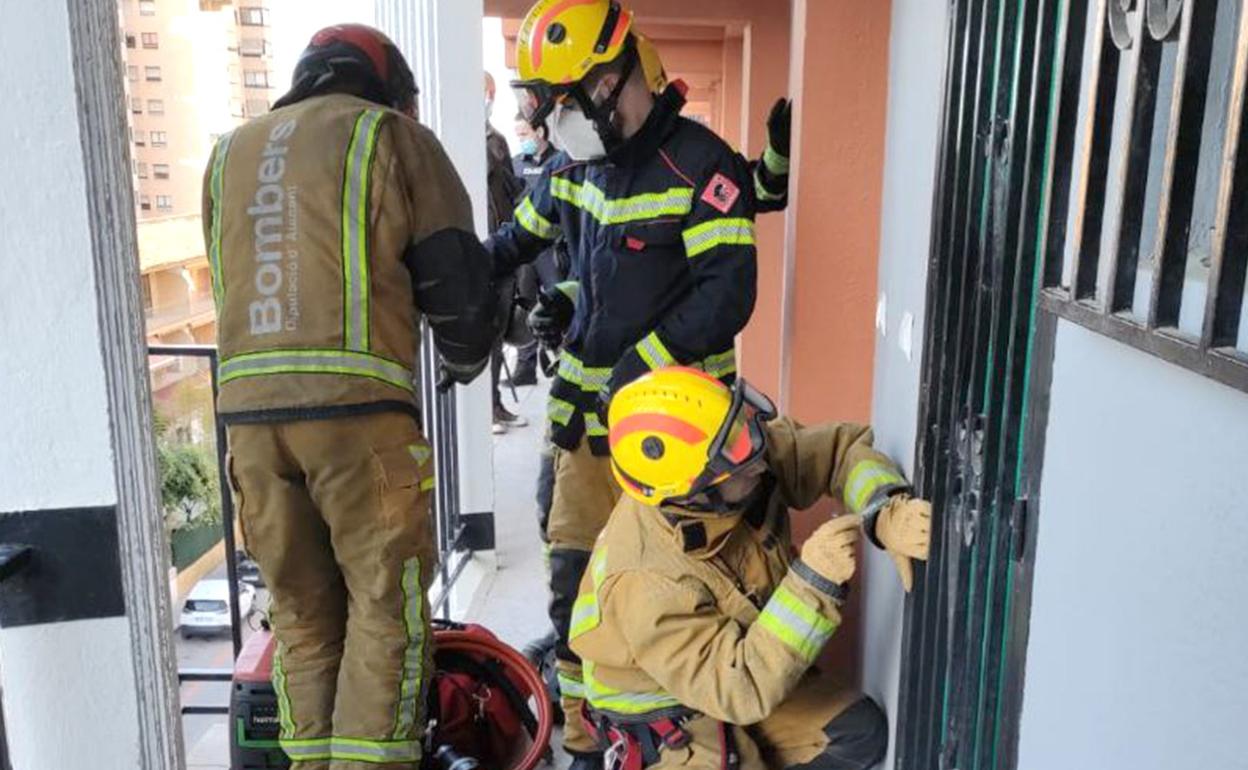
x=512, y=602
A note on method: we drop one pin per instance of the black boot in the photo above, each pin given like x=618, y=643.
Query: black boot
x=582, y=761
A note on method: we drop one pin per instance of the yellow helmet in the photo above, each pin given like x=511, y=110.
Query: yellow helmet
x=651, y=63
x=560, y=41
x=676, y=431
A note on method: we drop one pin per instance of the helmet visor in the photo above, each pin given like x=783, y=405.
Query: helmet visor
x=742, y=440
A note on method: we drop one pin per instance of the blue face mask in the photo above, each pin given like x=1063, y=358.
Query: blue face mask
x=528, y=146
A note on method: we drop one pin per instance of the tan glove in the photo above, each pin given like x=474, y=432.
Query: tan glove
x=904, y=528
x=830, y=549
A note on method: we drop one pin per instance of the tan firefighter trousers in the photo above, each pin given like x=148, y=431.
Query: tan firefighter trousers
x=585, y=494
x=336, y=514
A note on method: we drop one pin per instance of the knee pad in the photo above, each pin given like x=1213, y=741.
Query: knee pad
x=857, y=739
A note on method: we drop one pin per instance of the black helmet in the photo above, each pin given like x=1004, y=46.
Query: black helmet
x=353, y=53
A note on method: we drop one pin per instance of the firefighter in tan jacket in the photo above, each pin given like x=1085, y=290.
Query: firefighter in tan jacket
x=696, y=625
x=332, y=225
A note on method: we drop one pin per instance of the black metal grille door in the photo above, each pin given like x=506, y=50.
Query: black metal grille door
x=959, y=656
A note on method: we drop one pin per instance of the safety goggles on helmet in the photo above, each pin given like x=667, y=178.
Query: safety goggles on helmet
x=742, y=441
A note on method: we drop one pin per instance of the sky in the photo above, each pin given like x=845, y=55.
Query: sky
x=294, y=21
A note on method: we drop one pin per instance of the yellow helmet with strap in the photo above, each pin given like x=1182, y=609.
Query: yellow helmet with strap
x=677, y=431
x=560, y=41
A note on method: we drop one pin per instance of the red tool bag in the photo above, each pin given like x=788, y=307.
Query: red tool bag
x=486, y=702
x=490, y=703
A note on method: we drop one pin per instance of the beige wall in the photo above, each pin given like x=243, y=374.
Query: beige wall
x=201, y=88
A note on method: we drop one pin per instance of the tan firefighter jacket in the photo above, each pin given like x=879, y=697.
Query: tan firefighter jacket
x=308, y=213
x=670, y=618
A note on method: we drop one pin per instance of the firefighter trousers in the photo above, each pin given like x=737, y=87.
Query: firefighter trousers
x=821, y=726
x=585, y=494
x=336, y=514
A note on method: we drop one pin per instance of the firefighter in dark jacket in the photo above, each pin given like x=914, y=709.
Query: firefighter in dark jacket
x=658, y=215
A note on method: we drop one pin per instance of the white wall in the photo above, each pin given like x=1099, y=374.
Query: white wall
x=69, y=688
x=916, y=65
x=1139, y=626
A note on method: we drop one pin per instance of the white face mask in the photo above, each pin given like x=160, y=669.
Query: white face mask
x=575, y=134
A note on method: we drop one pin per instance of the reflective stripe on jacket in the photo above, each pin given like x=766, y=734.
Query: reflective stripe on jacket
x=308, y=211
x=662, y=241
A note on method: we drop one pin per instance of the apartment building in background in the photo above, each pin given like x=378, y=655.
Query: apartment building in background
x=195, y=69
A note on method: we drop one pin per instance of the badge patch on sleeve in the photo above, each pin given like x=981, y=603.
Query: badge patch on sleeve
x=721, y=192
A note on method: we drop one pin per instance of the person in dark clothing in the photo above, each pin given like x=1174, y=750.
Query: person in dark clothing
x=503, y=189
x=551, y=266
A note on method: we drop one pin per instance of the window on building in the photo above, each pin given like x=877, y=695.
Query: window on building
x=164, y=202
x=257, y=107
x=140, y=170
x=159, y=138
x=138, y=137
x=253, y=47
x=160, y=170
x=155, y=106
x=1147, y=228
x=256, y=79
x=136, y=105
x=129, y=41
x=253, y=17
x=151, y=73
x=145, y=202
x=147, y=7
x=132, y=73
x=150, y=40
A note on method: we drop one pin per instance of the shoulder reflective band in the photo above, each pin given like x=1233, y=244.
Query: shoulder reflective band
x=317, y=362
x=654, y=352
x=529, y=219
x=560, y=412
x=866, y=480
x=732, y=231
x=673, y=202
x=355, y=198
x=416, y=629
x=585, y=613
x=600, y=696
x=216, y=185
x=799, y=626
x=588, y=378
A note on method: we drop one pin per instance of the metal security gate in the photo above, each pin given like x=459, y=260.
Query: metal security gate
x=957, y=707
x=1090, y=170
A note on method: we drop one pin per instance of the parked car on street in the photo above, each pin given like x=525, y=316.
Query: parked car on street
x=248, y=570
x=207, y=608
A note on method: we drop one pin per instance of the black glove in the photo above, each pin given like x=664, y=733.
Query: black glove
x=550, y=318
x=779, y=126
x=450, y=374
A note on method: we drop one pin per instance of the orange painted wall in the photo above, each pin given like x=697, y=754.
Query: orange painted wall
x=840, y=77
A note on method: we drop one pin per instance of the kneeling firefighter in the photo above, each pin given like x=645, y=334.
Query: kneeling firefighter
x=697, y=627
x=333, y=224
